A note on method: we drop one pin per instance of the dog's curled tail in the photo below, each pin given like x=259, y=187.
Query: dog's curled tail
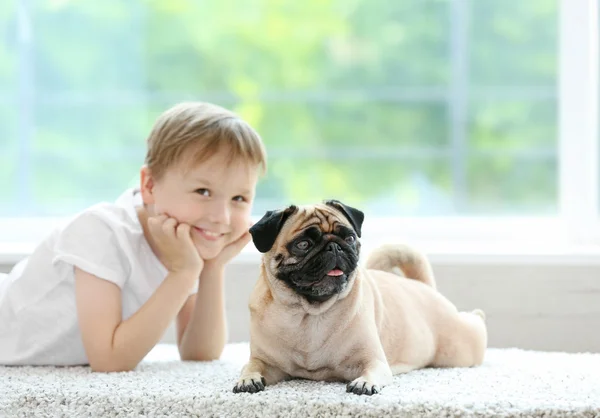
x=402, y=260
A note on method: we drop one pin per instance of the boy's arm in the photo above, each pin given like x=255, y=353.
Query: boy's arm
x=112, y=344
x=201, y=324
x=115, y=345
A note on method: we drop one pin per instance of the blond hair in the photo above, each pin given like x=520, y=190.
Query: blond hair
x=197, y=131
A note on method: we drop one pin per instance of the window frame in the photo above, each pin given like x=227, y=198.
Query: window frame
x=578, y=148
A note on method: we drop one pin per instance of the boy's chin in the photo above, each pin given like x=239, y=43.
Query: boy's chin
x=208, y=253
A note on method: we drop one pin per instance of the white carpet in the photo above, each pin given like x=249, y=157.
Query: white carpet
x=511, y=383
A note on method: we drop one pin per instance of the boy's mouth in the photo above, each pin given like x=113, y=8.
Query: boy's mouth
x=208, y=235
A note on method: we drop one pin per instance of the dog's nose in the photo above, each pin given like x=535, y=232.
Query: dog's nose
x=333, y=246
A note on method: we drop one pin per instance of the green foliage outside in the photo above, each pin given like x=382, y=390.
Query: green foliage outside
x=398, y=107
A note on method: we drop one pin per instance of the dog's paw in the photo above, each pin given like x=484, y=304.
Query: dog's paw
x=360, y=386
x=251, y=384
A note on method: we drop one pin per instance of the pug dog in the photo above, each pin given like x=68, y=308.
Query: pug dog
x=317, y=314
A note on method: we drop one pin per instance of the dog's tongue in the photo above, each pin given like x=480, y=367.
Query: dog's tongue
x=335, y=272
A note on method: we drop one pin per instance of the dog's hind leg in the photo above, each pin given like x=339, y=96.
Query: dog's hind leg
x=463, y=343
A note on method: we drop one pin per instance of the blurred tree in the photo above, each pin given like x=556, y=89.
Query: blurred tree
x=382, y=104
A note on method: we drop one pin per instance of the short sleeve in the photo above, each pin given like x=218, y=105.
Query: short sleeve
x=89, y=243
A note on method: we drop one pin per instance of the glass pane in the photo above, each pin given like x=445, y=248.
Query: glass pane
x=9, y=161
x=420, y=107
x=512, y=161
x=512, y=129
x=11, y=149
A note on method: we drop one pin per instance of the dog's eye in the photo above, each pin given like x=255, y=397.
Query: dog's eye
x=303, y=245
x=350, y=239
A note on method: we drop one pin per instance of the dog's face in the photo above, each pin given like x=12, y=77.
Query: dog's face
x=314, y=249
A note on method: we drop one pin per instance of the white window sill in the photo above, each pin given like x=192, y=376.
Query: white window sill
x=450, y=253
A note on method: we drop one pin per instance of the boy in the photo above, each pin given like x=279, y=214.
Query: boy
x=103, y=289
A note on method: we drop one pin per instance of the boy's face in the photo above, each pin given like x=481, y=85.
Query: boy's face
x=214, y=198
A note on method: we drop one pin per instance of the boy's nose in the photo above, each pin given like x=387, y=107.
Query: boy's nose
x=219, y=212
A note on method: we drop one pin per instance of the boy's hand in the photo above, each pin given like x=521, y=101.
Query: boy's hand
x=175, y=246
x=229, y=252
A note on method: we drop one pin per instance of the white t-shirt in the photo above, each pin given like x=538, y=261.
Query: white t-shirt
x=38, y=315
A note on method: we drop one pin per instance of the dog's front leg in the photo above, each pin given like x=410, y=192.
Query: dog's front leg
x=256, y=374
x=375, y=375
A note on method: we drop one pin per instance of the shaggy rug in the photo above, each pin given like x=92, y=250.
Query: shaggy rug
x=510, y=383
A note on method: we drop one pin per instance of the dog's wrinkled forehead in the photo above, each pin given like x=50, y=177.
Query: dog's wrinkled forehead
x=320, y=216
x=288, y=222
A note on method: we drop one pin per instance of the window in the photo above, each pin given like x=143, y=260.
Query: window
x=442, y=112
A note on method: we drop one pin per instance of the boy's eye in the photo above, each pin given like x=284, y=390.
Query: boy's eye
x=239, y=199
x=203, y=192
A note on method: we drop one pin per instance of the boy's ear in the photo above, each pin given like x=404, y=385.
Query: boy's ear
x=265, y=231
x=355, y=216
x=146, y=185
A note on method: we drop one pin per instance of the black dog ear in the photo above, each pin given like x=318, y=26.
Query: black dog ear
x=265, y=231
x=355, y=216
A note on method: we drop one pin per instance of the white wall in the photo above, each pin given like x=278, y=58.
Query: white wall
x=533, y=306
x=542, y=305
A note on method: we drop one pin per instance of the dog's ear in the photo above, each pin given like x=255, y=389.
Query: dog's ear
x=265, y=231
x=355, y=216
